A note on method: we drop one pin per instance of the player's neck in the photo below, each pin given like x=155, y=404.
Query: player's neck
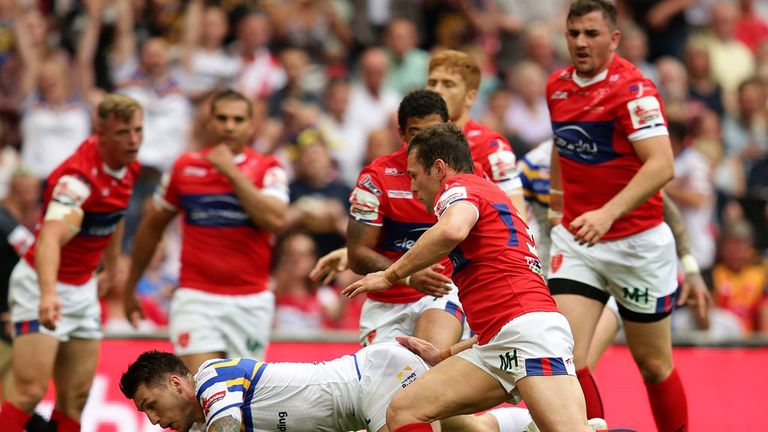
x=462, y=120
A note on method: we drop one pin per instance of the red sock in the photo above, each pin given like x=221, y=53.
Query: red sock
x=63, y=422
x=591, y=394
x=414, y=427
x=669, y=404
x=12, y=418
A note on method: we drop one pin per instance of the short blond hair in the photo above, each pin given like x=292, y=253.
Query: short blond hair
x=120, y=106
x=459, y=62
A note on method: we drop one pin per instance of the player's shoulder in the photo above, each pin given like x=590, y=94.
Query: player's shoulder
x=480, y=135
x=563, y=76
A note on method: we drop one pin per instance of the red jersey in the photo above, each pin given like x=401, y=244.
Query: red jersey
x=222, y=251
x=494, y=154
x=383, y=198
x=496, y=268
x=84, y=181
x=594, y=123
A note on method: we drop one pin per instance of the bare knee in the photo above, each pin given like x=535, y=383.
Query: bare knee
x=72, y=401
x=654, y=369
x=401, y=412
x=27, y=392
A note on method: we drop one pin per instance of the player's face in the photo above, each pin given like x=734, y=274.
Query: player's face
x=414, y=124
x=591, y=43
x=120, y=141
x=453, y=89
x=231, y=123
x=424, y=184
x=164, y=406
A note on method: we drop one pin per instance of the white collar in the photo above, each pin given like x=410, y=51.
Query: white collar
x=583, y=82
x=116, y=173
x=239, y=158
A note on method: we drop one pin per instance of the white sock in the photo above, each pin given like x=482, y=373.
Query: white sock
x=511, y=419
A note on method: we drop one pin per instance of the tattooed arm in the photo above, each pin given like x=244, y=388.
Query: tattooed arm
x=225, y=424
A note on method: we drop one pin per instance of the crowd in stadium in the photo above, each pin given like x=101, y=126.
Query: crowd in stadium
x=326, y=77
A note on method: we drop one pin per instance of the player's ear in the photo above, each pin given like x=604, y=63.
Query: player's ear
x=175, y=382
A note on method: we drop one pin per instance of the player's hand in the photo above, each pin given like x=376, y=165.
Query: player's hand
x=696, y=296
x=591, y=226
x=50, y=310
x=371, y=282
x=132, y=307
x=428, y=352
x=329, y=265
x=430, y=282
x=222, y=158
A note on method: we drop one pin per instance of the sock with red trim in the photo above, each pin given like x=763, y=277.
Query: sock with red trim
x=64, y=423
x=414, y=427
x=591, y=394
x=669, y=403
x=13, y=418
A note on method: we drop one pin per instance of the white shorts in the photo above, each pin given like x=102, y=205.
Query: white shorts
x=238, y=326
x=381, y=322
x=80, y=309
x=640, y=270
x=533, y=344
x=385, y=369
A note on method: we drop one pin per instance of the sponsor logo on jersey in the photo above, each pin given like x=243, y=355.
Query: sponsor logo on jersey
x=406, y=376
x=282, y=421
x=183, y=339
x=508, y=361
x=408, y=242
x=194, y=171
x=400, y=194
x=535, y=265
x=367, y=182
x=450, y=196
x=71, y=191
x=364, y=205
x=635, y=295
x=559, y=95
x=645, y=112
x=614, y=77
x=212, y=399
x=390, y=171
x=503, y=164
x=473, y=133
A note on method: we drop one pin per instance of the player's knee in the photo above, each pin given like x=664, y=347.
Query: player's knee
x=73, y=400
x=653, y=369
x=27, y=393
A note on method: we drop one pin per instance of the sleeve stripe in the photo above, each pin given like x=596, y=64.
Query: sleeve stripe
x=258, y=372
x=230, y=406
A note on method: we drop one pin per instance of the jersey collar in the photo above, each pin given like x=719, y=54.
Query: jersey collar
x=583, y=82
x=116, y=173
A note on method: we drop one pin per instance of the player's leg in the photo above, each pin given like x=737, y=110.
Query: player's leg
x=555, y=402
x=607, y=326
x=442, y=320
x=246, y=324
x=73, y=374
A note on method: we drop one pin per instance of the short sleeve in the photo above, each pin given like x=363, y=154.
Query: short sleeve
x=275, y=183
x=215, y=397
x=166, y=196
x=451, y=195
x=642, y=115
x=366, y=201
x=502, y=166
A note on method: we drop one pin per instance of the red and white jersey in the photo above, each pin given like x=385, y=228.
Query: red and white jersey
x=494, y=154
x=383, y=198
x=496, y=268
x=594, y=123
x=84, y=181
x=222, y=251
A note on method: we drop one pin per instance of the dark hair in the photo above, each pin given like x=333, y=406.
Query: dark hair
x=150, y=369
x=420, y=104
x=230, y=95
x=579, y=8
x=677, y=130
x=444, y=141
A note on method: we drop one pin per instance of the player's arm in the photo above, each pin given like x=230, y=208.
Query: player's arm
x=157, y=215
x=555, y=212
x=657, y=169
x=361, y=241
x=451, y=229
x=695, y=291
x=263, y=209
x=61, y=223
x=225, y=424
x=517, y=197
x=430, y=353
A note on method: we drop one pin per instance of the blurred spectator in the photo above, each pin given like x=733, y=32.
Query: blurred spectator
x=319, y=202
x=740, y=280
x=701, y=86
x=540, y=48
x=370, y=102
x=9, y=161
x=345, y=138
x=381, y=142
x=296, y=63
x=260, y=73
x=408, y=64
x=732, y=61
x=633, y=46
x=664, y=22
x=692, y=191
x=673, y=86
x=750, y=28
x=313, y=26
x=207, y=66
x=493, y=118
x=299, y=306
x=527, y=116
x=370, y=18
x=745, y=132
